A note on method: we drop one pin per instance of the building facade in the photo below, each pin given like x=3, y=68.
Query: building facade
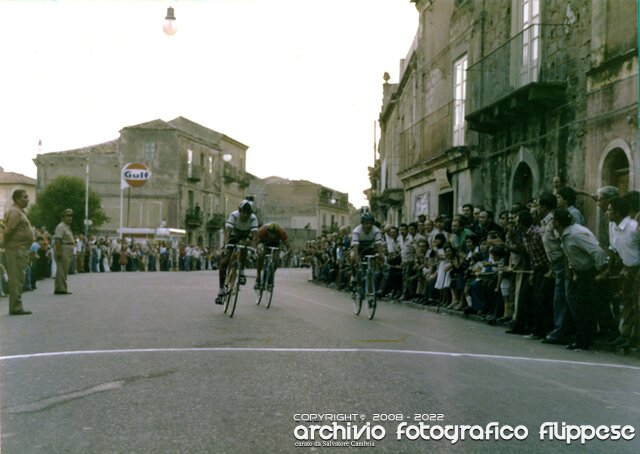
x=197, y=175
x=303, y=208
x=496, y=97
x=9, y=182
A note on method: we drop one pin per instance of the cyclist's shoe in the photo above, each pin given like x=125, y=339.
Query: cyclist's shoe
x=220, y=297
x=256, y=286
x=242, y=279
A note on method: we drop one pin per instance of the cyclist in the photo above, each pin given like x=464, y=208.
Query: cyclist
x=241, y=228
x=269, y=235
x=366, y=239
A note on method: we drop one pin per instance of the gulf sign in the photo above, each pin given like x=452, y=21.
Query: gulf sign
x=135, y=174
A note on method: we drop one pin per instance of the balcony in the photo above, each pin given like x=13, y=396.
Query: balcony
x=526, y=74
x=193, y=218
x=333, y=199
x=194, y=173
x=428, y=138
x=215, y=222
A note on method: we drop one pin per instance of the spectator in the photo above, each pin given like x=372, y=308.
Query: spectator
x=602, y=197
x=18, y=237
x=562, y=321
x=542, y=286
x=64, y=249
x=408, y=256
x=459, y=233
x=586, y=258
x=633, y=197
x=467, y=212
x=625, y=247
x=566, y=199
x=392, y=277
x=486, y=224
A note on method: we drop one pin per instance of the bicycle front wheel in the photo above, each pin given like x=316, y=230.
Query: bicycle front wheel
x=371, y=295
x=259, y=292
x=356, y=296
x=268, y=282
x=232, y=288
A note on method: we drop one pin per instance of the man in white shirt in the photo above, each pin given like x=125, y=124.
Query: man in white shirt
x=586, y=258
x=624, y=246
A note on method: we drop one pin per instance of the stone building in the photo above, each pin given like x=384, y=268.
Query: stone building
x=303, y=208
x=9, y=182
x=495, y=97
x=197, y=175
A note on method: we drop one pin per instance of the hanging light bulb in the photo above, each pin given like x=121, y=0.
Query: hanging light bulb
x=169, y=26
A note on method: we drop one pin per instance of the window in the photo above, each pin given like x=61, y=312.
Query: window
x=210, y=164
x=530, y=20
x=189, y=163
x=459, y=95
x=149, y=150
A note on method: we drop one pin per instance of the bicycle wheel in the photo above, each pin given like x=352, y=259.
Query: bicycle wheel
x=269, y=279
x=231, y=276
x=234, y=299
x=371, y=295
x=232, y=286
x=260, y=289
x=356, y=296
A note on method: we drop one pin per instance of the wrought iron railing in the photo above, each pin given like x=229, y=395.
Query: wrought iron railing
x=535, y=55
x=428, y=137
x=194, y=172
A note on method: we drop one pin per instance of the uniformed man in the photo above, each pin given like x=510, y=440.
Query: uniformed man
x=18, y=236
x=63, y=245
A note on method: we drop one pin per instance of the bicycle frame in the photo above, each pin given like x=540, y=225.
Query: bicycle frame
x=366, y=286
x=232, y=281
x=268, y=276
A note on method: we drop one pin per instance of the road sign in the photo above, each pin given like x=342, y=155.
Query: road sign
x=135, y=174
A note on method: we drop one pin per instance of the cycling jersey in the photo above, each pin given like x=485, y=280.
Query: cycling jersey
x=241, y=230
x=366, y=241
x=271, y=238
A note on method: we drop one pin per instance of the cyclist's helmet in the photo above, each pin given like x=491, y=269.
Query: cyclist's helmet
x=246, y=206
x=273, y=227
x=367, y=217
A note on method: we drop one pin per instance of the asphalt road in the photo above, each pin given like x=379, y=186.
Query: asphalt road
x=146, y=363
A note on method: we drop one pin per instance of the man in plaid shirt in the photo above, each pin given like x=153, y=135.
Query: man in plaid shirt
x=542, y=286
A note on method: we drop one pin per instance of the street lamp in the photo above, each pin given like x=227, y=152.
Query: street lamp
x=87, y=222
x=169, y=25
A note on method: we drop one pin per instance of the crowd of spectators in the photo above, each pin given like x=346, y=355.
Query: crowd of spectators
x=535, y=269
x=106, y=254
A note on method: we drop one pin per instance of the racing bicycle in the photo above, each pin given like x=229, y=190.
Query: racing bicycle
x=365, y=287
x=234, y=278
x=267, y=278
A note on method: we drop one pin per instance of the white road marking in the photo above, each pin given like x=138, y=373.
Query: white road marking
x=314, y=350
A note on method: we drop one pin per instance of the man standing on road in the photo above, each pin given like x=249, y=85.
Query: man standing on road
x=18, y=236
x=64, y=245
x=586, y=258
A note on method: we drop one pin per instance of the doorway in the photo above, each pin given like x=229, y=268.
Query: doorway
x=522, y=187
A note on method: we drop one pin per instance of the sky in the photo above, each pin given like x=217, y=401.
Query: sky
x=297, y=81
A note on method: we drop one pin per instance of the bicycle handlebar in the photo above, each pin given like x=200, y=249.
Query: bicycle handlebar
x=240, y=246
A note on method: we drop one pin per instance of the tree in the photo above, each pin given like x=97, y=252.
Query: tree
x=62, y=193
